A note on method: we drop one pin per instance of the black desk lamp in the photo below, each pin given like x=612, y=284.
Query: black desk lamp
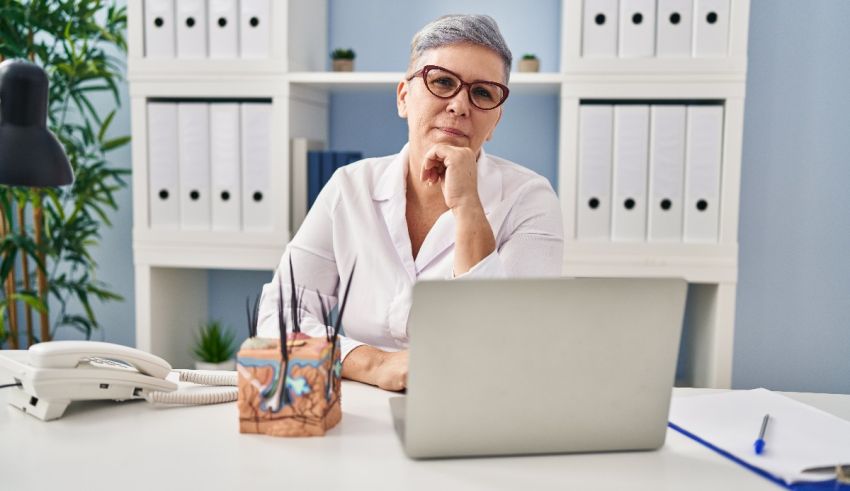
x=31, y=156
x=29, y=153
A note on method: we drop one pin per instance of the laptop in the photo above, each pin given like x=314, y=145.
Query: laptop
x=535, y=366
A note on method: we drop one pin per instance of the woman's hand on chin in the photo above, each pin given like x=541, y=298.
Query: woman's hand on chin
x=455, y=170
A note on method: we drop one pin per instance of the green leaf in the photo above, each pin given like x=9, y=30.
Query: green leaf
x=214, y=343
x=115, y=143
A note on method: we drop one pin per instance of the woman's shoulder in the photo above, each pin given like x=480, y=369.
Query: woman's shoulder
x=516, y=176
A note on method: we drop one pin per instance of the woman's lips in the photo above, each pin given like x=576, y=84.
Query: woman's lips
x=453, y=132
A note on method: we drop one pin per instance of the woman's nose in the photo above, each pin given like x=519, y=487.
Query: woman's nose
x=459, y=104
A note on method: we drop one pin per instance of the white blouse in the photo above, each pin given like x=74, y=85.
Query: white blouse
x=360, y=215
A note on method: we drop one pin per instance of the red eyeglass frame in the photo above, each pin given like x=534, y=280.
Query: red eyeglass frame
x=427, y=68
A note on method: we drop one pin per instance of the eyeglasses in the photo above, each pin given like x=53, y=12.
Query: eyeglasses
x=445, y=84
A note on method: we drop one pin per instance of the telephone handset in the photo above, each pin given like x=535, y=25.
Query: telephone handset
x=69, y=354
x=54, y=373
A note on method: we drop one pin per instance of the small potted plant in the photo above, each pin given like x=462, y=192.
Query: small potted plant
x=343, y=60
x=529, y=63
x=214, y=347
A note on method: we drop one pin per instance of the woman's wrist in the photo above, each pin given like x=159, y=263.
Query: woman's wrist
x=362, y=364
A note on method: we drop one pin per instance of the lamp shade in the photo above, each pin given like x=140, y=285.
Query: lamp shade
x=30, y=155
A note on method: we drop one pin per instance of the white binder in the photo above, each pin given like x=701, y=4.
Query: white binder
x=298, y=181
x=599, y=28
x=675, y=28
x=159, y=29
x=163, y=178
x=631, y=156
x=191, y=29
x=223, y=29
x=254, y=28
x=256, y=159
x=711, y=28
x=702, y=173
x=194, y=164
x=226, y=170
x=594, y=172
x=637, y=28
x=666, y=173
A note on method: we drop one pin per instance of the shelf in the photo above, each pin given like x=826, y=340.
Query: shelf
x=207, y=238
x=623, y=87
x=697, y=263
x=188, y=87
x=523, y=82
x=658, y=66
x=209, y=255
x=140, y=69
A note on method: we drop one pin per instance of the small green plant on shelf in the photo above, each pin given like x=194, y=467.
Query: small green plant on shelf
x=214, y=344
x=343, y=54
x=529, y=63
x=343, y=59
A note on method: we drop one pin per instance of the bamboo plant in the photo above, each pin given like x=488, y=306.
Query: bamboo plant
x=48, y=234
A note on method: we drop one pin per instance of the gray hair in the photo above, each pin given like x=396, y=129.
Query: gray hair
x=480, y=30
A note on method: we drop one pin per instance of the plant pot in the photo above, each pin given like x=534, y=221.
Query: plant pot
x=225, y=365
x=529, y=65
x=343, y=65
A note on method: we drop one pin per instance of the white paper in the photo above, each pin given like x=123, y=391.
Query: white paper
x=798, y=436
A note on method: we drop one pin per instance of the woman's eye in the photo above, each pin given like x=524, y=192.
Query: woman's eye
x=444, y=82
x=483, y=93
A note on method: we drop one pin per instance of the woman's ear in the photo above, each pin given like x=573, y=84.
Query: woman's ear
x=401, y=99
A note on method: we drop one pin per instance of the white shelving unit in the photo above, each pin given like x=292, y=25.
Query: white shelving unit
x=171, y=288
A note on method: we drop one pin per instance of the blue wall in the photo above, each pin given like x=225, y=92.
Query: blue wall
x=793, y=318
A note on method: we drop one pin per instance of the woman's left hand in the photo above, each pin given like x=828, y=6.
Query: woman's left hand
x=454, y=168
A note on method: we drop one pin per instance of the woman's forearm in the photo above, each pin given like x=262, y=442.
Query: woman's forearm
x=361, y=364
x=474, y=238
x=367, y=364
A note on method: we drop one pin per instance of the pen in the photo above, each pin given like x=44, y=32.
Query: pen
x=759, y=444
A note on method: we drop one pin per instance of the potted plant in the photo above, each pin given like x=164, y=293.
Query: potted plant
x=343, y=60
x=48, y=235
x=529, y=63
x=214, y=347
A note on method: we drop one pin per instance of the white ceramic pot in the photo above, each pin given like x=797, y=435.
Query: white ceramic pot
x=343, y=65
x=529, y=65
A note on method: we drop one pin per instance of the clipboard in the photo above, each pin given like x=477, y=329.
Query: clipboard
x=724, y=423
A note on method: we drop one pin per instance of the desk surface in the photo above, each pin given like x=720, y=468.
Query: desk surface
x=136, y=445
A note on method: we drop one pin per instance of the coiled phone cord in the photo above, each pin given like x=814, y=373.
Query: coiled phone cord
x=223, y=388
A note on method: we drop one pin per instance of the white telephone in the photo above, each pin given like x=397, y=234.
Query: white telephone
x=52, y=374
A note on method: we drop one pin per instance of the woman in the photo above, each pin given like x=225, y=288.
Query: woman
x=440, y=209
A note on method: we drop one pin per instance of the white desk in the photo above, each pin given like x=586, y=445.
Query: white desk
x=135, y=445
